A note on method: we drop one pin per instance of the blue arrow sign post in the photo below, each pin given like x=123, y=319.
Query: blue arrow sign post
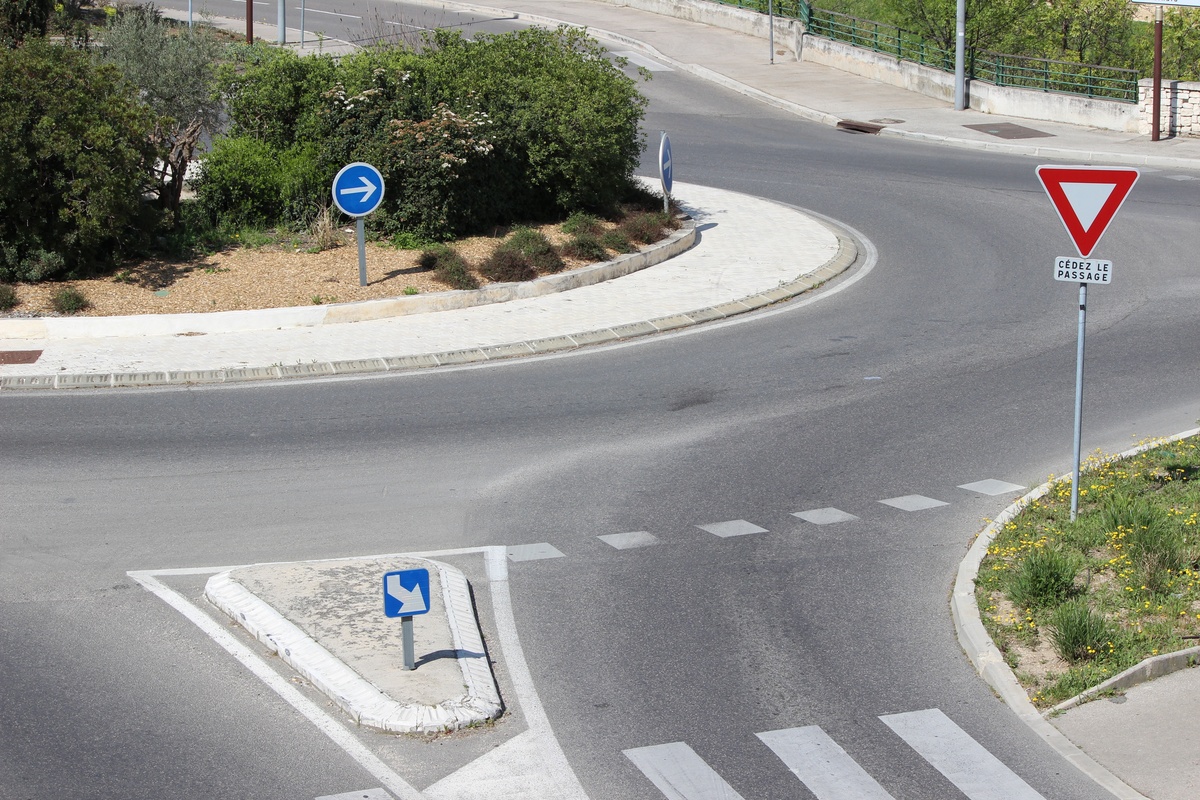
x=357, y=191
x=406, y=594
x=664, y=170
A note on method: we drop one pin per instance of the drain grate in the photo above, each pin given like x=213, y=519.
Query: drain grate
x=1009, y=130
x=19, y=356
x=854, y=126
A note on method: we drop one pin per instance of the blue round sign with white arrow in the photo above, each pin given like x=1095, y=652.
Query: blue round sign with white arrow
x=664, y=163
x=358, y=189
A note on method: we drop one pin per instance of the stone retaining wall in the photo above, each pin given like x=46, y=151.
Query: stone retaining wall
x=1179, y=114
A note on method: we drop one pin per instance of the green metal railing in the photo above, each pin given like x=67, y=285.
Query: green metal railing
x=879, y=37
x=1047, y=75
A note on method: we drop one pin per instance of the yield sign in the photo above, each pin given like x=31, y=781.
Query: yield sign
x=1087, y=199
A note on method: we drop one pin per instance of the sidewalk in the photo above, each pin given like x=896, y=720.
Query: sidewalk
x=750, y=253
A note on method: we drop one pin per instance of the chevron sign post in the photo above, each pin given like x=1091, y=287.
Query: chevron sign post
x=406, y=594
x=1086, y=199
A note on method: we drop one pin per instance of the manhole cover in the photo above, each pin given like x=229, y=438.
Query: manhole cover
x=888, y=121
x=1008, y=130
x=19, y=356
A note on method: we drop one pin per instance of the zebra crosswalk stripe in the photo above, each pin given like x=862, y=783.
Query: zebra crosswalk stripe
x=680, y=774
x=822, y=765
x=965, y=762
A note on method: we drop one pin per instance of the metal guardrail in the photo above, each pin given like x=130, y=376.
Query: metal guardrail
x=1066, y=77
x=879, y=37
x=1044, y=74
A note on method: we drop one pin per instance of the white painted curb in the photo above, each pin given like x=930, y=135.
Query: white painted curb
x=359, y=698
x=991, y=664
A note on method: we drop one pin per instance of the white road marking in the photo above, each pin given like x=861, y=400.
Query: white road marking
x=330, y=13
x=324, y=723
x=680, y=774
x=992, y=487
x=532, y=552
x=407, y=25
x=824, y=516
x=822, y=765
x=626, y=541
x=965, y=762
x=913, y=502
x=734, y=527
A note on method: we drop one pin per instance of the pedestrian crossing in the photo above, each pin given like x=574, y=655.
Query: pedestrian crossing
x=830, y=773
x=909, y=503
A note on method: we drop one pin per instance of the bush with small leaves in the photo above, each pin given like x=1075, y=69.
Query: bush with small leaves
x=580, y=222
x=585, y=246
x=1077, y=632
x=8, y=297
x=617, y=242
x=536, y=247
x=507, y=264
x=448, y=267
x=647, y=228
x=69, y=300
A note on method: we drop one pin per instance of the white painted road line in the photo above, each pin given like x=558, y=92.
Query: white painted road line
x=965, y=762
x=824, y=516
x=532, y=552
x=822, y=765
x=992, y=487
x=680, y=774
x=626, y=541
x=310, y=710
x=331, y=13
x=913, y=502
x=734, y=527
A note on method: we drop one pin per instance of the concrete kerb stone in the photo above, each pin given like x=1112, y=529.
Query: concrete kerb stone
x=1148, y=670
x=845, y=257
x=351, y=692
x=990, y=664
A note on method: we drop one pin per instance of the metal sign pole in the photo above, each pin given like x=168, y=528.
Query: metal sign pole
x=771, y=20
x=1156, y=103
x=302, y=24
x=282, y=38
x=1078, y=401
x=406, y=633
x=362, y=253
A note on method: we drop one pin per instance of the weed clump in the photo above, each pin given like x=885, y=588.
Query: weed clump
x=69, y=300
x=448, y=267
x=506, y=265
x=585, y=246
x=8, y=297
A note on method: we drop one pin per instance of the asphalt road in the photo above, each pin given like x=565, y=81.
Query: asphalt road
x=952, y=361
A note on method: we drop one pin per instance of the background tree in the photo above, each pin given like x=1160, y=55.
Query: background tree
x=174, y=70
x=75, y=161
x=20, y=19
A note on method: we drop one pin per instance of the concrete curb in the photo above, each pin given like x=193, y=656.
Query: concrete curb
x=366, y=704
x=59, y=328
x=1148, y=670
x=989, y=662
x=846, y=256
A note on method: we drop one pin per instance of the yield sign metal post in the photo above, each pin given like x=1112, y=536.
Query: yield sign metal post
x=1086, y=199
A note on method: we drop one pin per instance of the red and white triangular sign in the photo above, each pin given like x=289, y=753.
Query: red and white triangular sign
x=1087, y=199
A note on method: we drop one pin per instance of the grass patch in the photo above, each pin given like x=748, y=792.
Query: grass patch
x=1118, y=585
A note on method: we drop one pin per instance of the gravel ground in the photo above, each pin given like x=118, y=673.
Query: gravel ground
x=271, y=276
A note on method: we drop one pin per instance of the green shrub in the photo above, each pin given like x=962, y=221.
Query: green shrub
x=579, y=222
x=586, y=246
x=507, y=264
x=244, y=182
x=8, y=297
x=69, y=300
x=534, y=245
x=75, y=159
x=1045, y=578
x=647, y=228
x=1078, y=633
x=448, y=267
x=616, y=241
x=273, y=95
